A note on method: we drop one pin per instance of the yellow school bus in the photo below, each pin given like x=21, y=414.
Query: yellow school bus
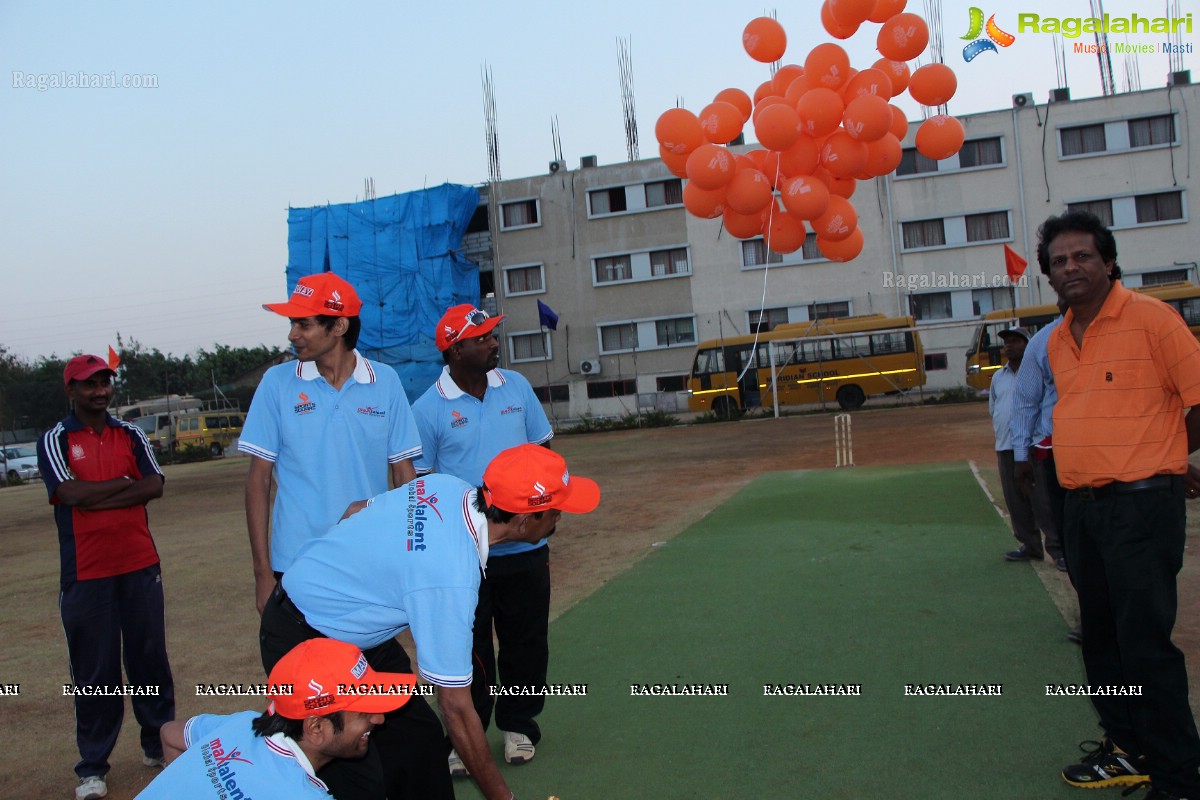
x=846, y=359
x=214, y=430
x=985, y=354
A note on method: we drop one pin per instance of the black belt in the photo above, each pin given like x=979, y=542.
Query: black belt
x=285, y=603
x=1126, y=487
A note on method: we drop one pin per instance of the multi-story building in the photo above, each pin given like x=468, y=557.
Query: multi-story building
x=637, y=281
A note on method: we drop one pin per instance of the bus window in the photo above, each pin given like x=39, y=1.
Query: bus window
x=710, y=361
x=1189, y=309
x=821, y=350
x=854, y=347
x=889, y=343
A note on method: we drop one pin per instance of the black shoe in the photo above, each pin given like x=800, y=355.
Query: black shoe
x=1104, y=765
x=1022, y=553
x=1075, y=634
x=1061, y=563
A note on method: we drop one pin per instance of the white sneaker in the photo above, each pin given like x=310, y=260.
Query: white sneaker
x=92, y=787
x=151, y=761
x=457, y=768
x=518, y=749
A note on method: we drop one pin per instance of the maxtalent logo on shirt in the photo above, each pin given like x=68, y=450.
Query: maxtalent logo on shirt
x=420, y=503
x=372, y=411
x=458, y=421
x=217, y=760
x=512, y=410
x=305, y=406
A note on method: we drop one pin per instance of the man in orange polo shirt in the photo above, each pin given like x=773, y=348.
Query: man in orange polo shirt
x=1126, y=367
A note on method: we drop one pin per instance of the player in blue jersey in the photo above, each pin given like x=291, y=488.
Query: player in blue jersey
x=325, y=702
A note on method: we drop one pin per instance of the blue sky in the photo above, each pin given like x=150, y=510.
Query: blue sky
x=161, y=213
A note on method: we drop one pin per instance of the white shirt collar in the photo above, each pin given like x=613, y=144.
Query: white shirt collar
x=448, y=389
x=294, y=748
x=363, y=373
x=477, y=524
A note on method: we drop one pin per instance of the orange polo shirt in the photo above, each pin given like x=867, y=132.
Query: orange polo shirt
x=1121, y=397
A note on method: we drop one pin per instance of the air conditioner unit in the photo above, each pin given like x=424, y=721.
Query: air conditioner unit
x=1062, y=95
x=1022, y=100
x=557, y=166
x=587, y=162
x=590, y=366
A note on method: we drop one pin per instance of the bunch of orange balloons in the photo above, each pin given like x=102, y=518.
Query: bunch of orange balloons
x=822, y=126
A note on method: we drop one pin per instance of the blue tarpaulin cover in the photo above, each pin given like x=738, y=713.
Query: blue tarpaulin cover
x=403, y=254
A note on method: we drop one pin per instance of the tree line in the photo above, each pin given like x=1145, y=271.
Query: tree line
x=31, y=392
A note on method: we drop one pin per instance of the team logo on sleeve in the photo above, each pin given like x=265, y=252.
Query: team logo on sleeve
x=306, y=405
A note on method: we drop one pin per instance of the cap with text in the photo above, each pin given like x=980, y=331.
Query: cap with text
x=326, y=675
x=1024, y=334
x=463, y=322
x=530, y=478
x=80, y=368
x=323, y=294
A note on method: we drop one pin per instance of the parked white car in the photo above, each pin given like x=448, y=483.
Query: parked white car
x=20, y=461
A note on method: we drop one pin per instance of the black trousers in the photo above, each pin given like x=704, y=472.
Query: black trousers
x=107, y=621
x=1124, y=551
x=515, y=598
x=406, y=756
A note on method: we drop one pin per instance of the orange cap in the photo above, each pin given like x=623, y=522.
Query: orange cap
x=326, y=675
x=321, y=294
x=463, y=322
x=529, y=478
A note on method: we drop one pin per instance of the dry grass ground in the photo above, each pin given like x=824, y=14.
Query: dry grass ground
x=655, y=482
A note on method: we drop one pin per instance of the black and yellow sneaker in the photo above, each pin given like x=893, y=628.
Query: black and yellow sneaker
x=1104, y=764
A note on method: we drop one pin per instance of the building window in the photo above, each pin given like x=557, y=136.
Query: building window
x=1083, y=139
x=618, y=337
x=840, y=308
x=1159, y=207
x=664, y=193
x=980, y=153
x=1164, y=276
x=608, y=201
x=528, y=346
x=936, y=361
x=1101, y=208
x=554, y=393
x=913, y=163
x=614, y=268
x=1150, y=131
x=671, y=383
x=520, y=214
x=935, y=305
x=767, y=319
x=924, y=233
x=755, y=254
x=600, y=389
x=985, y=300
x=523, y=280
x=987, y=227
x=669, y=262
x=671, y=332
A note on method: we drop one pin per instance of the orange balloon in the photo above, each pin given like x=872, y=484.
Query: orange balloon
x=710, y=166
x=801, y=158
x=842, y=155
x=777, y=126
x=897, y=72
x=886, y=9
x=827, y=66
x=743, y=226
x=839, y=220
x=748, y=192
x=834, y=28
x=820, y=112
x=676, y=162
x=764, y=39
x=737, y=98
x=899, y=126
x=704, y=203
x=805, y=196
x=784, y=77
x=796, y=89
x=679, y=131
x=767, y=100
x=784, y=233
x=843, y=250
x=903, y=37
x=933, y=84
x=759, y=158
x=743, y=162
x=940, y=137
x=765, y=89
x=883, y=155
x=771, y=167
x=870, y=81
x=851, y=12
x=721, y=122
x=867, y=118
x=843, y=187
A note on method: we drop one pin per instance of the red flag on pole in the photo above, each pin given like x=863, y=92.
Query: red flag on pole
x=1014, y=264
x=114, y=360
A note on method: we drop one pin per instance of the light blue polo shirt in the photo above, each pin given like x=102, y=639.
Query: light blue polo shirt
x=460, y=435
x=225, y=759
x=329, y=447
x=412, y=558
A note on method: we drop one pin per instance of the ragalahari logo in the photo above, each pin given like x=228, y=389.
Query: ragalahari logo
x=995, y=36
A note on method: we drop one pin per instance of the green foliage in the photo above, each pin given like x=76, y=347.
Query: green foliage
x=959, y=394
x=189, y=453
x=647, y=419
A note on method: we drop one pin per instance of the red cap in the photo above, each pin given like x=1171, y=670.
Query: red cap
x=321, y=294
x=326, y=675
x=529, y=478
x=464, y=322
x=80, y=368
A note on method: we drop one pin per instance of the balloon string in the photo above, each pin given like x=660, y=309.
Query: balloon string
x=762, y=304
